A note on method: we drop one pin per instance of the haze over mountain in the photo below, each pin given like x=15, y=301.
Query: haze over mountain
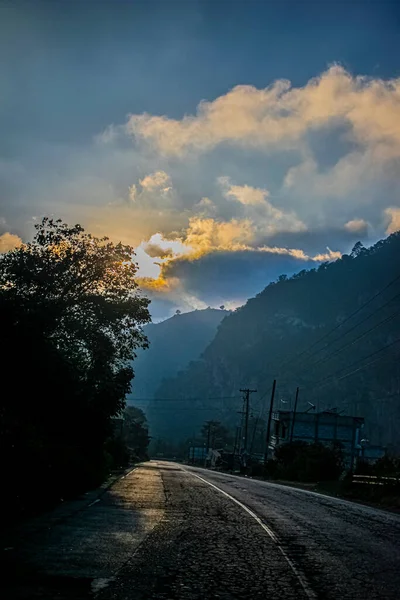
x=173, y=343
x=334, y=331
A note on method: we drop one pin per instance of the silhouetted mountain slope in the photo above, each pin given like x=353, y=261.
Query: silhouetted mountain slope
x=173, y=344
x=286, y=332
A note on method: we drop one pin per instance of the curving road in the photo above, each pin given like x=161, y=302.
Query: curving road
x=167, y=531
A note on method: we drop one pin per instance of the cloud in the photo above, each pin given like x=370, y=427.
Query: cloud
x=205, y=208
x=204, y=235
x=304, y=168
x=282, y=114
x=159, y=180
x=9, y=241
x=152, y=191
x=270, y=219
x=156, y=251
x=393, y=214
x=221, y=276
x=245, y=194
x=354, y=173
x=356, y=226
x=133, y=192
x=221, y=262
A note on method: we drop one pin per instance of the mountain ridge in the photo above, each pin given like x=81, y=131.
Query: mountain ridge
x=253, y=344
x=173, y=343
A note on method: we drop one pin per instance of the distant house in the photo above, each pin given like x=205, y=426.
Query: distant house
x=371, y=453
x=197, y=454
x=324, y=427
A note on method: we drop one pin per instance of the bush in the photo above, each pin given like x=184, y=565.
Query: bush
x=258, y=470
x=116, y=449
x=308, y=462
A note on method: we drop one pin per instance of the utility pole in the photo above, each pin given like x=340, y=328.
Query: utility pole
x=237, y=441
x=294, y=415
x=247, y=393
x=271, y=404
x=209, y=424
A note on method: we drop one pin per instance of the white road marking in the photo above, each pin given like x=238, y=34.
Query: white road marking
x=100, y=584
x=131, y=471
x=94, y=502
x=304, y=584
x=283, y=487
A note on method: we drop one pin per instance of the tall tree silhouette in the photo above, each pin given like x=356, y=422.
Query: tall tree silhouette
x=72, y=319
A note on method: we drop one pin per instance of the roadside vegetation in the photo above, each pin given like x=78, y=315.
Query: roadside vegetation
x=72, y=318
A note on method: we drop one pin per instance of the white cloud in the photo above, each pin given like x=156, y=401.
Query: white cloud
x=270, y=219
x=205, y=208
x=205, y=235
x=300, y=254
x=356, y=226
x=245, y=194
x=282, y=114
x=393, y=214
x=151, y=193
x=9, y=241
x=132, y=192
x=353, y=172
x=160, y=180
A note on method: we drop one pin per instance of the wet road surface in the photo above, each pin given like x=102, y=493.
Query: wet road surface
x=167, y=531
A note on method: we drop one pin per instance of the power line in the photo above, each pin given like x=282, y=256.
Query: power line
x=182, y=399
x=351, y=342
x=353, y=314
x=333, y=375
x=373, y=400
x=190, y=408
x=352, y=329
x=258, y=418
x=246, y=393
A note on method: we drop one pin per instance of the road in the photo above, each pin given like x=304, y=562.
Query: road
x=168, y=531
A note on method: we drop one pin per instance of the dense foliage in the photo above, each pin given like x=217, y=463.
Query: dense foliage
x=304, y=331
x=72, y=319
x=136, y=432
x=307, y=462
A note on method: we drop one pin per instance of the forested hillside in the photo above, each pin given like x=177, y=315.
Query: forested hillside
x=333, y=331
x=173, y=343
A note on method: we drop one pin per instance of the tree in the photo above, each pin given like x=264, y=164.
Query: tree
x=136, y=434
x=73, y=318
x=358, y=250
x=215, y=433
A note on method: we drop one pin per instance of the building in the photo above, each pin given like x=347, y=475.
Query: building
x=371, y=453
x=323, y=427
x=197, y=454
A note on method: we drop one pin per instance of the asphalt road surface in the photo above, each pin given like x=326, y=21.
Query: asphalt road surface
x=166, y=531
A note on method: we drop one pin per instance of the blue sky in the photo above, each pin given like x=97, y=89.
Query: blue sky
x=72, y=74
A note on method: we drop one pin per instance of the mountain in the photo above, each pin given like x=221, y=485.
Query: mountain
x=333, y=331
x=173, y=343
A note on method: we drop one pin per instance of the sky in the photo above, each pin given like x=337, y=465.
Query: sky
x=228, y=141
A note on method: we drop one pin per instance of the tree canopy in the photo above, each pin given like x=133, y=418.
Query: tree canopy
x=72, y=319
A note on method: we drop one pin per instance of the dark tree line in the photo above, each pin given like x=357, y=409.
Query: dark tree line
x=72, y=318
